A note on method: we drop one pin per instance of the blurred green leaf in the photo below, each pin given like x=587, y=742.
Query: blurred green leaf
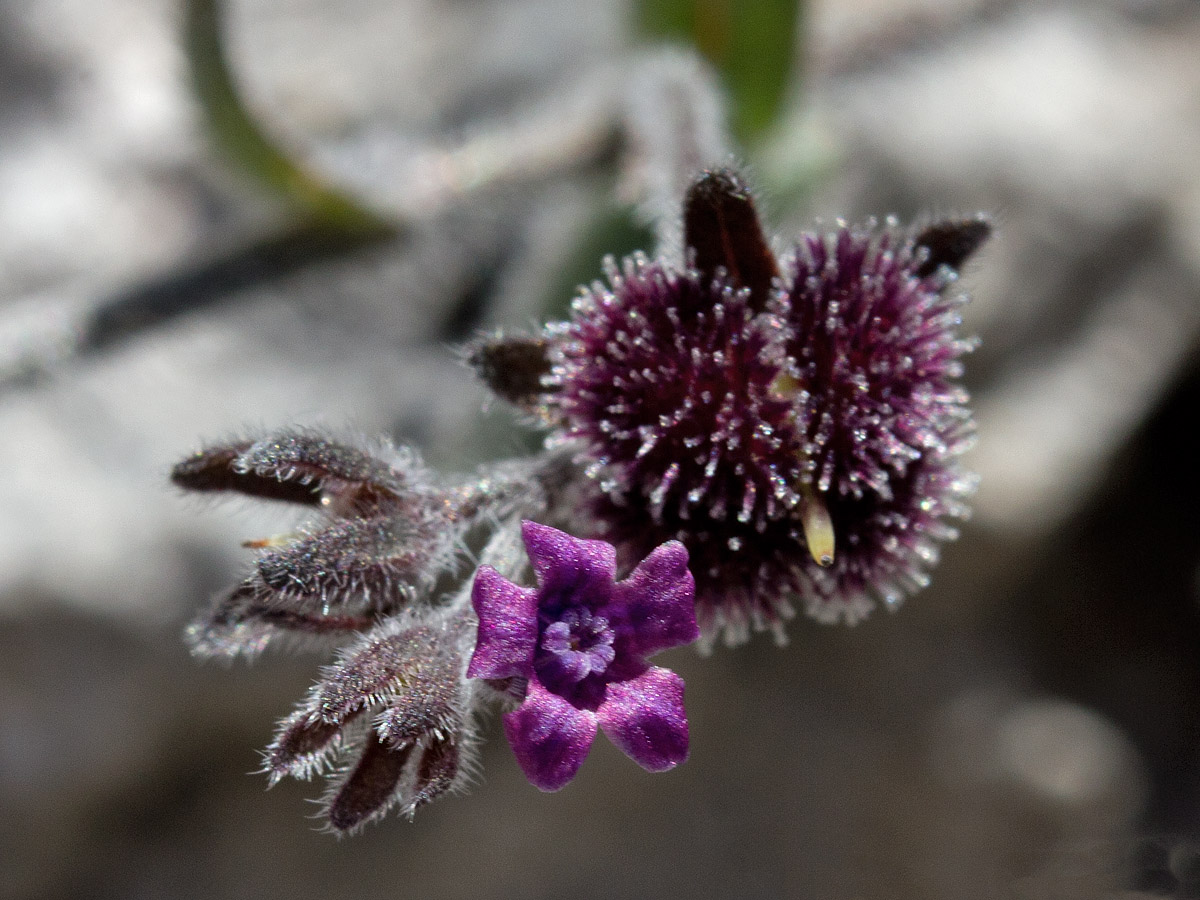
x=752, y=43
x=614, y=231
x=797, y=157
x=241, y=139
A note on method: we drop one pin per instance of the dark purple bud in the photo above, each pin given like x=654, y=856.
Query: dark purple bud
x=950, y=243
x=416, y=673
x=302, y=744
x=391, y=537
x=721, y=224
x=371, y=787
x=512, y=366
x=386, y=775
x=436, y=773
x=213, y=469
x=350, y=479
x=412, y=751
x=297, y=466
x=242, y=621
x=400, y=702
x=371, y=563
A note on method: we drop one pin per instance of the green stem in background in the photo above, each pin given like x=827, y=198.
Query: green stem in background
x=613, y=231
x=243, y=141
x=753, y=44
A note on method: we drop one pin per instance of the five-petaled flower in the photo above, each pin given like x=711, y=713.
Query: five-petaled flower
x=579, y=641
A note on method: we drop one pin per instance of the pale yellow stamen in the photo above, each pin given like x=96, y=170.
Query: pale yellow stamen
x=814, y=514
x=818, y=527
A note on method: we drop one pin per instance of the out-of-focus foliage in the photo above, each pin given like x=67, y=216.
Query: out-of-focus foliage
x=240, y=137
x=615, y=231
x=754, y=44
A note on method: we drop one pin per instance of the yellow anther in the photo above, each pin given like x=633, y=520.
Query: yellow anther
x=818, y=527
x=814, y=514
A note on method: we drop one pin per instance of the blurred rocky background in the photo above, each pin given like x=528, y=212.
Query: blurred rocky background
x=304, y=234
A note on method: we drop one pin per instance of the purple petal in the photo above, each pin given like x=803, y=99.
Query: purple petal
x=549, y=737
x=507, y=627
x=658, y=602
x=645, y=718
x=569, y=565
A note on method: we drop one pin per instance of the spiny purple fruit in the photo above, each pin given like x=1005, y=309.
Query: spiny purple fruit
x=796, y=426
x=871, y=359
x=666, y=380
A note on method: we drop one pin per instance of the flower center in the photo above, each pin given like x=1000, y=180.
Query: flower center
x=575, y=645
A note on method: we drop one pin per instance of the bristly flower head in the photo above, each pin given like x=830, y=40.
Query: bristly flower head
x=578, y=643
x=797, y=426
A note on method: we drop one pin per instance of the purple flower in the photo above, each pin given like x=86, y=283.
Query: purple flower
x=580, y=642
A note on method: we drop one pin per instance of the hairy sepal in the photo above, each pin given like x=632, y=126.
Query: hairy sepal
x=397, y=709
